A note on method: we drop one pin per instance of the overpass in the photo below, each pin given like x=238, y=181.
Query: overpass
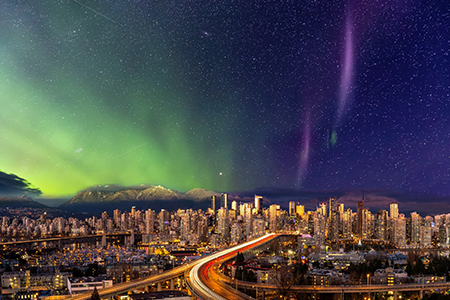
x=184, y=273
x=205, y=280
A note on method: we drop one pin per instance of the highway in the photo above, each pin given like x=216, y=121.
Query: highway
x=197, y=285
x=205, y=282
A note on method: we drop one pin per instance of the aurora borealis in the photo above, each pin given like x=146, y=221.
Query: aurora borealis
x=226, y=95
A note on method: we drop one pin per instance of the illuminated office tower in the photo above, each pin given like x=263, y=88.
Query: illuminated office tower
x=259, y=227
x=427, y=231
x=300, y=210
x=447, y=219
x=236, y=233
x=223, y=222
x=149, y=221
x=333, y=221
x=202, y=228
x=224, y=200
x=333, y=205
x=234, y=205
x=394, y=210
x=302, y=225
x=213, y=204
x=359, y=219
x=292, y=208
x=273, y=217
x=341, y=208
x=319, y=230
x=164, y=221
x=117, y=214
x=248, y=219
x=185, y=226
x=400, y=231
x=366, y=224
x=258, y=204
x=347, y=223
x=439, y=220
x=381, y=220
x=322, y=209
x=415, y=229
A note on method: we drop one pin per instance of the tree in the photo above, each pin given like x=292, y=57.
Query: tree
x=284, y=278
x=239, y=258
x=409, y=269
x=95, y=295
x=419, y=267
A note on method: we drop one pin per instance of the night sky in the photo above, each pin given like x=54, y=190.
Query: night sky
x=226, y=95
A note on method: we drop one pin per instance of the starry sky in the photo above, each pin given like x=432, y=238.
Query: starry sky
x=226, y=95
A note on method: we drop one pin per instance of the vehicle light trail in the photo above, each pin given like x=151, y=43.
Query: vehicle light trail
x=198, y=286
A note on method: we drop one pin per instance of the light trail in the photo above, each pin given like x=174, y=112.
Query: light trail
x=199, y=286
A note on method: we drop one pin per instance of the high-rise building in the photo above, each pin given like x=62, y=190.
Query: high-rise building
x=415, y=229
x=400, y=231
x=223, y=223
x=381, y=225
x=234, y=205
x=323, y=209
x=427, y=231
x=394, y=210
x=333, y=205
x=300, y=210
x=273, y=217
x=164, y=221
x=213, y=204
x=359, y=218
x=333, y=221
x=202, y=228
x=224, y=200
x=248, y=219
x=319, y=230
x=347, y=223
x=236, y=233
x=259, y=228
x=149, y=221
x=366, y=231
x=292, y=208
x=258, y=204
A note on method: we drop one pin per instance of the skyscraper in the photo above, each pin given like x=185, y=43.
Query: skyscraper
x=394, y=210
x=223, y=222
x=359, y=218
x=300, y=210
x=415, y=229
x=258, y=204
x=164, y=221
x=292, y=208
x=333, y=205
x=224, y=200
x=213, y=204
x=273, y=217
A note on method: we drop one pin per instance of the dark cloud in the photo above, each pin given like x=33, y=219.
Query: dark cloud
x=11, y=184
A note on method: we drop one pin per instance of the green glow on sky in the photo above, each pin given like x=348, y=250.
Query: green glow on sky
x=61, y=131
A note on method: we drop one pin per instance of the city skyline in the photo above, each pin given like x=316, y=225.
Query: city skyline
x=227, y=96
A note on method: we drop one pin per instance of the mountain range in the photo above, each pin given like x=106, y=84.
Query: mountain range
x=108, y=198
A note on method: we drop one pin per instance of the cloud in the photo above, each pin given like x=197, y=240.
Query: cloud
x=11, y=184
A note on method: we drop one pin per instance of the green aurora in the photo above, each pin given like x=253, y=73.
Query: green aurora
x=77, y=111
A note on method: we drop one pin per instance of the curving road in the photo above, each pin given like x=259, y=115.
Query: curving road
x=203, y=278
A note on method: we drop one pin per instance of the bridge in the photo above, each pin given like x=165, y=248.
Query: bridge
x=205, y=281
x=178, y=276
